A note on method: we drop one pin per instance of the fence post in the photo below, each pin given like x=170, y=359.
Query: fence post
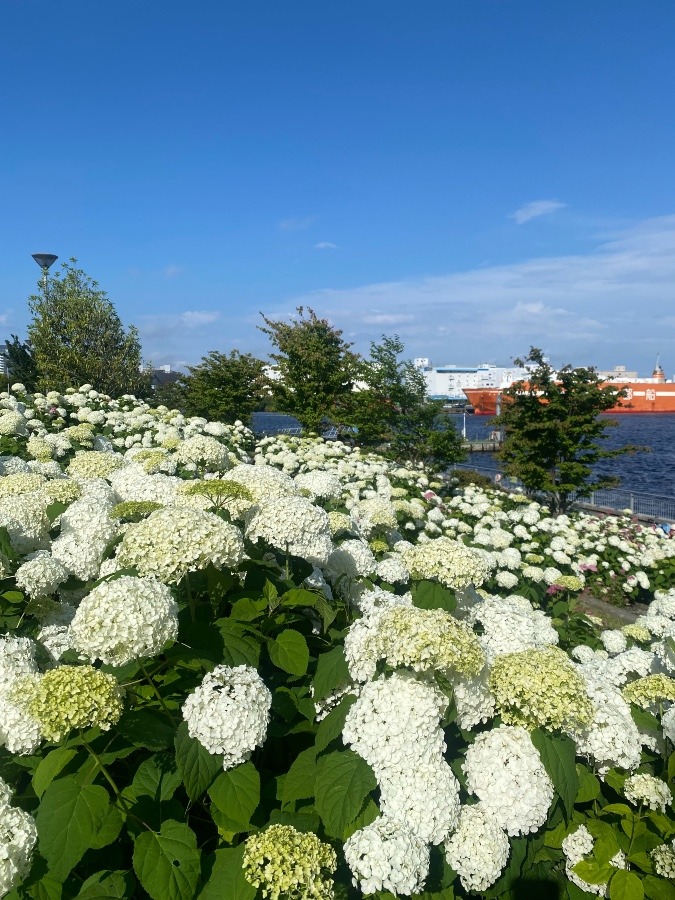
x=632, y=503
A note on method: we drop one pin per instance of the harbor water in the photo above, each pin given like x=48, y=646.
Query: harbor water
x=650, y=472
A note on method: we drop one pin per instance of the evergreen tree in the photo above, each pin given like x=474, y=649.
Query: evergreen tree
x=317, y=368
x=77, y=337
x=553, y=431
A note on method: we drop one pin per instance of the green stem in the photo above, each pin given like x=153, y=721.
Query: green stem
x=119, y=801
x=157, y=693
x=191, y=600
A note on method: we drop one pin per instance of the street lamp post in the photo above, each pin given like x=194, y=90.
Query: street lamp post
x=45, y=260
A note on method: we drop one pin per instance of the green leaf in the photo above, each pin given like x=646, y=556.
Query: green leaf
x=227, y=879
x=593, y=871
x=49, y=767
x=236, y=793
x=658, y=888
x=247, y=610
x=198, y=768
x=331, y=727
x=239, y=648
x=343, y=780
x=14, y=596
x=558, y=756
x=290, y=652
x=147, y=728
x=167, y=864
x=156, y=777
x=68, y=817
x=107, y=886
x=109, y=830
x=589, y=786
x=299, y=782
x=332, y=672
x=432, y=595
x=303, y=598
x=625, y=886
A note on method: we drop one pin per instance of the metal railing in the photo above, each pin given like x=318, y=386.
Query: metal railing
x=652, y=506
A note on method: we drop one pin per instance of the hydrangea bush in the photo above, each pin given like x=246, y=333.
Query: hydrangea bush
x=290, y=669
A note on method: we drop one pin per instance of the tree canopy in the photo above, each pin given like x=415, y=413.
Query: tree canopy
x=77, y=337
x=316, y=367
x=391, y=409
x=223, y=387
x=553, y=431
x=21, y=366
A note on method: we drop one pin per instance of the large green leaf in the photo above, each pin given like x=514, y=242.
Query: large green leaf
x=625, y=886
x=658, y=888
x=290, y=652
x=197, y=767
x=147, y=728
x=343, y=780
x=157, y=778
x=331, y=727
x=107, y=886
x=68, y=817
x=227, y=878
x=236, y=793
x=331, y=672
x=303, y=598
x=239, y=648
x=167, y=864
x=432, y=595
x=299, y=782
x=558, y=756
x=53, y=763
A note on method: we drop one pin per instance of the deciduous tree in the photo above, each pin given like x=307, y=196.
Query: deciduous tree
x=553, y=431
x=316, y=367
x=225, y=387
x=77, y=337
x=21, y=367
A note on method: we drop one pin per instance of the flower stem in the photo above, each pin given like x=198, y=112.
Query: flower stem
x=156, y=692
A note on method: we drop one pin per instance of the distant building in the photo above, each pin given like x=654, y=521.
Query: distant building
x=448, y=382
x=618, y=373
x=160, y=375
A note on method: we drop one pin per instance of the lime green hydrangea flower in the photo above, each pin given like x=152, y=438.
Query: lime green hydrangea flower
x=289, y=865
x=378, y=545
x=570, y=582
x=70, y=697
x=649, y=690
x=93, y=464
x=637, y=632
x=151, y=460
x=134, y=510
x=540, y=689
x=21, y=483
x=62, y=490
x=423, y=639
x=339, y=521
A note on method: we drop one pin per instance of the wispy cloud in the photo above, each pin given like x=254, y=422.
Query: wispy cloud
x=535, y=209
x=611, y=305
x=173, y=271
x=158, y=326
x=325, y=245
x=297, y=223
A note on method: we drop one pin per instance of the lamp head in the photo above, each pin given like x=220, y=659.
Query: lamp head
x=44, y=260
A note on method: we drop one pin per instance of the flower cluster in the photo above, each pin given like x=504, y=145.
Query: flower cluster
x=387, y=856
x=447, y=561
x=229, y=713
x=289, y=865
x=18, y=837
x=479, y=849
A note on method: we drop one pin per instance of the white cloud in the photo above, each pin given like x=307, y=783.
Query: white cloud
x=173, y=271
x=535, y=209
x=297, y=223
x=159, y=326
x=611, y=305
x=388, y=318
x=325, y=245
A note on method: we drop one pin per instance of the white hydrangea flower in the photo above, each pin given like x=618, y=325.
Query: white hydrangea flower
x=474, y=701
x=612, y=738
x=125, y=619
x=392, y=571
x=503, y=768
x=478, y=850
x=205, y=452
x=387, y=856
x=450, y=562
x=19, y=732
x=264, y=482
x=350, y=560
x=41, y=574
x=321, y=485
x=646, y=789
x=229, y=713
x=510, y=625
x=177, y=540
x=293, y=525
x=613, y=641
x=576, y=847
x=425, y=797
x=18, y=836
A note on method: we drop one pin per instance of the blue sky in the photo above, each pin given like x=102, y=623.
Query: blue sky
x=474, y=175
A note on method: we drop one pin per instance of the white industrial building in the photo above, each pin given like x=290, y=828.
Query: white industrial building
x=448, y=382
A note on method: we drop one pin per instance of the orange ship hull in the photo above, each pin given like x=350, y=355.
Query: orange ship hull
x=642, y=397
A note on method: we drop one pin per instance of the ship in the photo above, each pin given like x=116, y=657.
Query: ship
x=643, y=395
